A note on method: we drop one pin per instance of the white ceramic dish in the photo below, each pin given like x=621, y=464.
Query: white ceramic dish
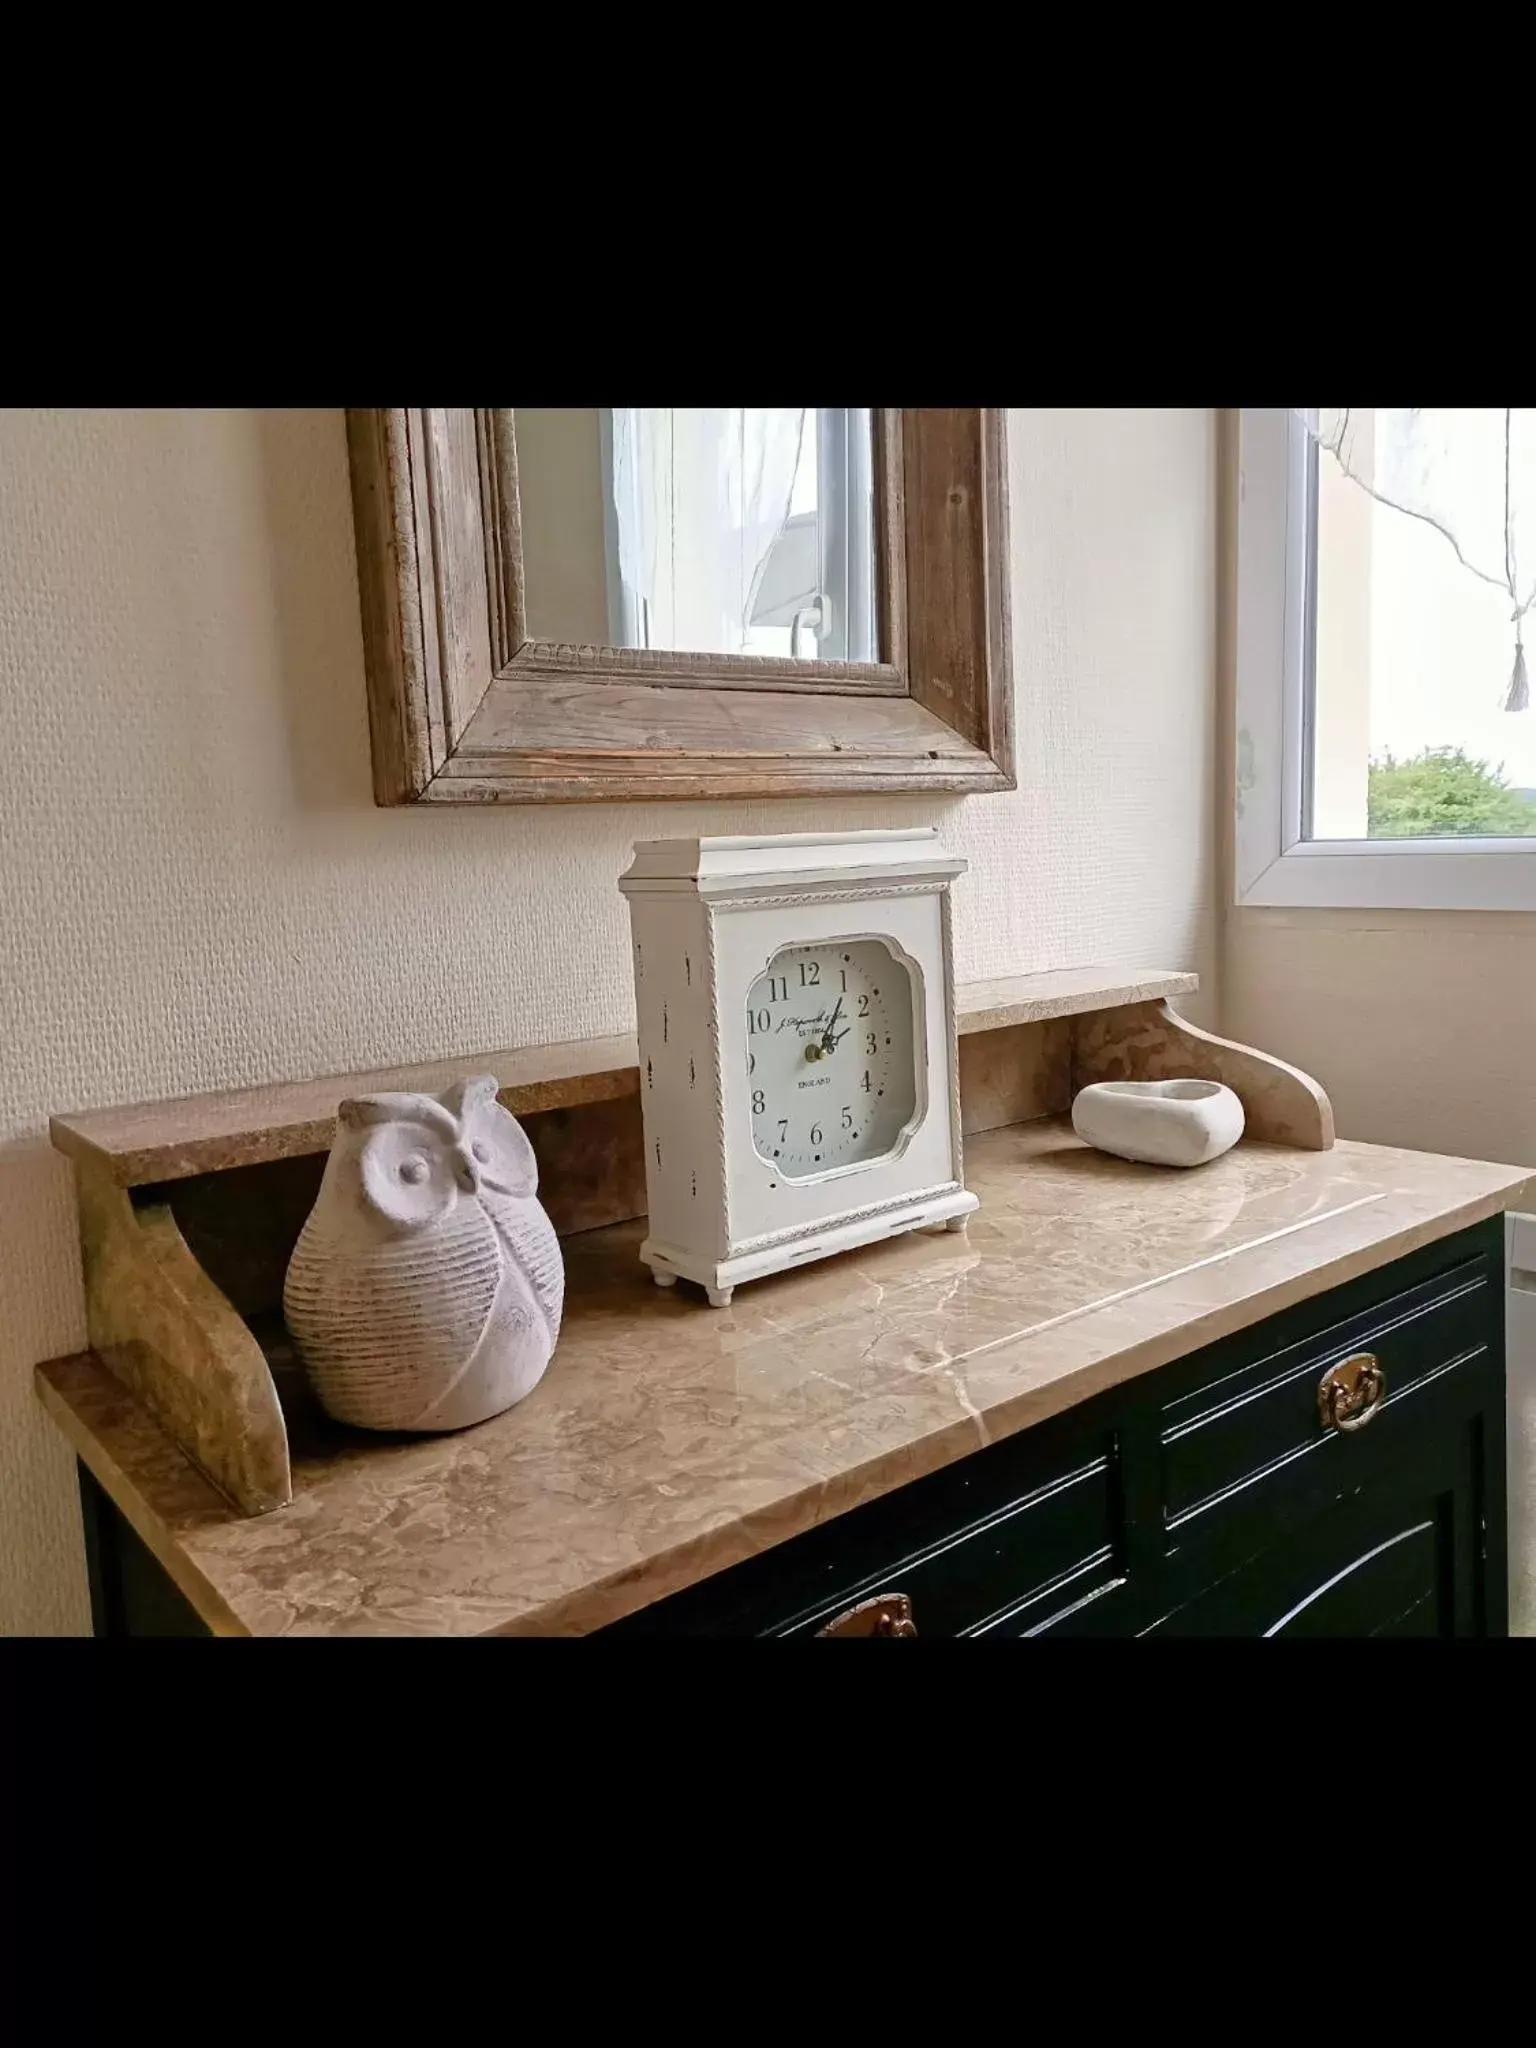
x=1164, y=1123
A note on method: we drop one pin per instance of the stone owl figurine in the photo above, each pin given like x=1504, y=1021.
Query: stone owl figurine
x=426, y=1287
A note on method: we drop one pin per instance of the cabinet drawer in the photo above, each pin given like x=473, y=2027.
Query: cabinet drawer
x=1224, y=1438
x=1051, y=1538
x=990, y=1537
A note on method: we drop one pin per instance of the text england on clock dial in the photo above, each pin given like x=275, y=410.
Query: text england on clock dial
x=830, y=1066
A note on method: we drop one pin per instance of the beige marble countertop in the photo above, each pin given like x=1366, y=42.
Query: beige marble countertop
x=669, y=1440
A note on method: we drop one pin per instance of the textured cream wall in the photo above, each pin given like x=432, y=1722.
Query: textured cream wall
x=1420, y=1024
x=198, y=893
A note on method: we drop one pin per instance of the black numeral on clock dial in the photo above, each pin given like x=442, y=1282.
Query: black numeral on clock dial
x=830, y=1030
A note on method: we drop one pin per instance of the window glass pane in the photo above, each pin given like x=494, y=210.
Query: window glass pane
x=1412, y=660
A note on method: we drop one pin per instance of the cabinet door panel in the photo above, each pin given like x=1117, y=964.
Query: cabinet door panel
x=1393, y=1588
x=1400, y=1558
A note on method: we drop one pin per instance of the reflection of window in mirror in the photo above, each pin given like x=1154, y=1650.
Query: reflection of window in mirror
x=728, y=530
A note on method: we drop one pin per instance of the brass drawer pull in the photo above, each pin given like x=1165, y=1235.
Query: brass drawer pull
x=1352, y=1391
x=888, y=1614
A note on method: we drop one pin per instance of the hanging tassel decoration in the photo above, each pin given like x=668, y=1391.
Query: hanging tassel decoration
x=1519, y=694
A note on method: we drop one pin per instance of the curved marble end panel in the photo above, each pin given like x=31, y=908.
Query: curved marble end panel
x=163, y=1328
x=1148, y=1042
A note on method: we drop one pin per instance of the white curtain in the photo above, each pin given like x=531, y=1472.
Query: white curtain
x=642, y=498
x=700, y=494
x=1470, y=472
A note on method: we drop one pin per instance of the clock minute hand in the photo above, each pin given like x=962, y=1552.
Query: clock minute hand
x=828, y=1042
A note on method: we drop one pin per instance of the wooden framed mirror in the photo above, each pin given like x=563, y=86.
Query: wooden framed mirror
x=568, y=605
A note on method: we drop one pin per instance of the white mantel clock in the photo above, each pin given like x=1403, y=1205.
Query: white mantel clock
x=798, y=1074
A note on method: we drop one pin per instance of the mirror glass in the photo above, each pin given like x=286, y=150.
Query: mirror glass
x=717, y=530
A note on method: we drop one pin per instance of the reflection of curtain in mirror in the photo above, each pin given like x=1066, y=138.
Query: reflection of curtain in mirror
x=700, y=494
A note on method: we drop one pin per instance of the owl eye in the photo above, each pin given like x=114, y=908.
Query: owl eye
x=413, y=1169
x=481, y=1150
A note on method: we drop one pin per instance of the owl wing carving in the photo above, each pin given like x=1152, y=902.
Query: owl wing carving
x=508, y=1187
x=533, y=1255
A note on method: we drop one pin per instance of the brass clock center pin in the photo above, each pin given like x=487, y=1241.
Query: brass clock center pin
x=813, y=1050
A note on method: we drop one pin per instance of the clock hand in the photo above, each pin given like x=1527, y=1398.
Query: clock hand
x=827, y=1039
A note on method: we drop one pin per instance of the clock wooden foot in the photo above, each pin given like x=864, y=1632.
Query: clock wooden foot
x=956, y=1222
x=663, y=1279
x=719, y=1297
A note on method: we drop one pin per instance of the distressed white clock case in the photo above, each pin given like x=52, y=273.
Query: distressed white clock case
x=707, y=916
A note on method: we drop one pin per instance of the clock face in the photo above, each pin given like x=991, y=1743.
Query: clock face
x=830, y=1058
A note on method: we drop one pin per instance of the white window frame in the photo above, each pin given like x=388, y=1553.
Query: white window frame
x=1275, y=864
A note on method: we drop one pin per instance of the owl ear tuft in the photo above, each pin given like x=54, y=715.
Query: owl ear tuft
x=473, y=1092
x=519, y=1156
x=360, y=1112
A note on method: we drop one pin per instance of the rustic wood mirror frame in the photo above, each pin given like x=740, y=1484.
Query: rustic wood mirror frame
x=465, y=708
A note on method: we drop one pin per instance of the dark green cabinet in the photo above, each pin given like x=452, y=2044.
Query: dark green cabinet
x=1218, y=1496
x=131, y=1593
x=1398, y=1557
